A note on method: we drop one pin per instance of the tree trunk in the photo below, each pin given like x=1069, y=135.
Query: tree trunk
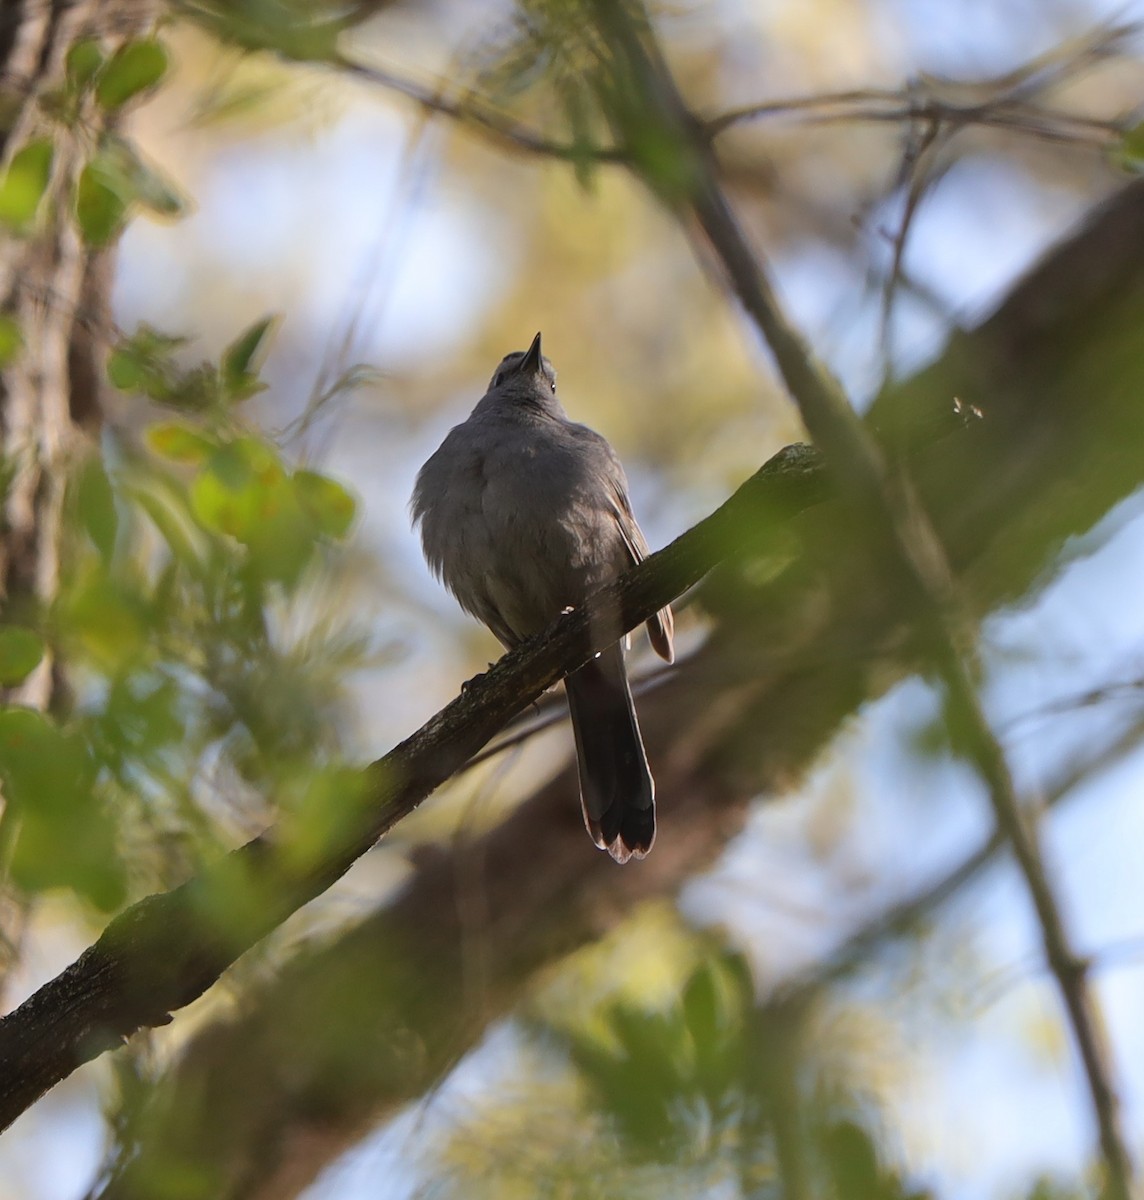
x=57, y=291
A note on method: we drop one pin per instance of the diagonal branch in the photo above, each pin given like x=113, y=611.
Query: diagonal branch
x=165, y=951
x=472, y=111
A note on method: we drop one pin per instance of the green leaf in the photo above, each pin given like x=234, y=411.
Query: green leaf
x=853, y=1161
x=101, y=207
x=137, y=179
x=97, y=507
x=24, y=183
x=156, y=192
x=219, y=508
x=38, y=764
x=179, y=443
x=84, y=59
x=242, y=358
x=66, y=837
x=20, y=653
x=284, y=541
x=166, y=506
x=228, y=496
x=145, y=362
x=105, y=621
x=133, y=68
x=125, y=369
x=245, y=492
x=331, y=507
x=286, y=27
x=242, y=387
x=1128, y=154
x=11, y=340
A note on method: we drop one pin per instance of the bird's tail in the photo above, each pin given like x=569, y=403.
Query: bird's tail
x=616, y=787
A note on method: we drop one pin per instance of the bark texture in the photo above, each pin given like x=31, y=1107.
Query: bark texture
x=57, y=291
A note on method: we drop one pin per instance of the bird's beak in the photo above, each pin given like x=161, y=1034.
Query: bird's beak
x=530, y=364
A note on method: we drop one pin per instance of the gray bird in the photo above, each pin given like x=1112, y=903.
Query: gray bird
x=523, y=513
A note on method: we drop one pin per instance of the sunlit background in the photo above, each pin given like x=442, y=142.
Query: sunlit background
x=394, y=240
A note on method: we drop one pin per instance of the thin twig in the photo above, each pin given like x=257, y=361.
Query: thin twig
x=904, y=914
x=1067, y=705
x=470, y=110
x=916, y=182
x=1003, y=100
x=872, y=105
x=907, y=106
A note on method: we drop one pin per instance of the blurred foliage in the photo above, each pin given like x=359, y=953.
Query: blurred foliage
x=303, y=30
x=662, y=1077
x=1130, y=153
x=201, y=619
x=675, y=1100
x=185, y=570
x=567, y=54
x=115, y=178
x=131, y=70
x=1047, y=1188
x=147, y=362
x=176, y=618
x=24, y=183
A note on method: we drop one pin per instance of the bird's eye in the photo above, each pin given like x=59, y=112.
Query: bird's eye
x=553, y=386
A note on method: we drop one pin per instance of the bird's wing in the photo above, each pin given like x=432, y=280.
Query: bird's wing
x=661, y=627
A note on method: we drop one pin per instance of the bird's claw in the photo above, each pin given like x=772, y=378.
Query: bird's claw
x=467, y=686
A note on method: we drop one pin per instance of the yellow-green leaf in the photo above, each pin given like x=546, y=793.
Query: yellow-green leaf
x=105, y=621
x=84, y=58
x=179, y=443
x=100, y=208
x=11, y=340
x=125, y=370
x=132, y=69
x=239, y=489
x=97, y=507
x=66, y=837
x=20, y=653
x=331, y=507
x=23, y=185
x=1129, y=153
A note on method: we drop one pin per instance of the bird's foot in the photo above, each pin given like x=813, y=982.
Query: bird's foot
x=468, y=684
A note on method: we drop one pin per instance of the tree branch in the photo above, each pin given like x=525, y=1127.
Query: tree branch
x=1002, y=103
x=475, y=113
x=165, y=951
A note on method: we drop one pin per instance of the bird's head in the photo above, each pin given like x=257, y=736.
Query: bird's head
x=525, y=367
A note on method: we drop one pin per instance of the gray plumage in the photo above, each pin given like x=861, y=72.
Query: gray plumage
x=523, y=513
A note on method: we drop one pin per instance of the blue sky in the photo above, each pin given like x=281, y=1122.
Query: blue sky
x=981, y=1103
